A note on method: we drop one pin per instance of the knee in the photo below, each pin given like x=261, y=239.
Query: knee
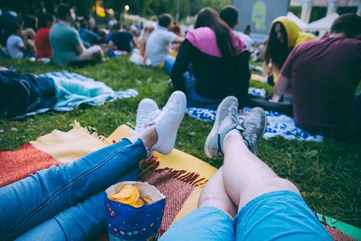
x=213, y=200
x=282, y=184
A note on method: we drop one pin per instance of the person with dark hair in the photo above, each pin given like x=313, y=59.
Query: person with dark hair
x=229, y=15
x=121, y=39
x=212, y=63
x=67, y=47
x=157, y=46
x=42, y=40
x=323, y=76
x=283, y=37
x=88, y=37
x=31, y=22
x=15, y=44
x=8, y=22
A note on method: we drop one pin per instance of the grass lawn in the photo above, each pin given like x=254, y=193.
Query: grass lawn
x=328, y=173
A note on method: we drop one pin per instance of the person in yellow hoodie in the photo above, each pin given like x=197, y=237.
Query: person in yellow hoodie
x=283, y=37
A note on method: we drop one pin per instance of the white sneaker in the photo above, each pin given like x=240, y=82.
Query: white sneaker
x=147, y=112
x=226, y=120
x=168, y=122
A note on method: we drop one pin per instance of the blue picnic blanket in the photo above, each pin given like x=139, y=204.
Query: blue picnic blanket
x=73, y=89
x=277, y=124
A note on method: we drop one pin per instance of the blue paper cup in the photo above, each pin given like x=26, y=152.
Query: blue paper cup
x=127, y=223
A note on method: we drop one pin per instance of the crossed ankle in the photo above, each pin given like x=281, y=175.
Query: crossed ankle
x=231, y=137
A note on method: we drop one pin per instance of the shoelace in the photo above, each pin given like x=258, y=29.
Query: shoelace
x=237, y=119
x=249, y=136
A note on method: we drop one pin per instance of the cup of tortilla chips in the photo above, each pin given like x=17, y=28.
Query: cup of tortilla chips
x=134, y=211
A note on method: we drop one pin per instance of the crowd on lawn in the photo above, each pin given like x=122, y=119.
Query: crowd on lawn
x=315, y=80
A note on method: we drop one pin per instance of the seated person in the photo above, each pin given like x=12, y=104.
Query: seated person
x=283, y=37
x=15, y=44
x=54, y=200
x=212, y=63
x=42, y=41
x=142, y=42
x=8, y=22
x=230, y=15
x=67, y=48
x=157, y=46
x=88, y=37
x=121, y=39
x=323, y=76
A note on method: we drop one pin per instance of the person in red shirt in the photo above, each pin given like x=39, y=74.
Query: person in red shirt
x=42, y=42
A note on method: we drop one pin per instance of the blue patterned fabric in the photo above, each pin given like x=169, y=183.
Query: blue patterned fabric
x=277, y=124
x=74, y=89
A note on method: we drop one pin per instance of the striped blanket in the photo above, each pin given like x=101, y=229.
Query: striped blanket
x=73, y=89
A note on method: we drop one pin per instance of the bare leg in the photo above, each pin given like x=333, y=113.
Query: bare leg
x=245, y=175
x=149, y=137
x=215, y=195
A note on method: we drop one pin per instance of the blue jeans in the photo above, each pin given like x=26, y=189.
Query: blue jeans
x=66, y=202
x=193, y=98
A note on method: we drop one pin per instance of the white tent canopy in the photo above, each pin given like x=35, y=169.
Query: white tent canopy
x=323, y=24
x=302, y=24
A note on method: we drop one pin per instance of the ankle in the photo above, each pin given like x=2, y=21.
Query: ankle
x=149, y=137
x=231, y=137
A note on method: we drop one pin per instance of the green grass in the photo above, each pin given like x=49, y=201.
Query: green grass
x=327, y=173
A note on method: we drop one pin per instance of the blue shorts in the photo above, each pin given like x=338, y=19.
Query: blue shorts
x=281, y=216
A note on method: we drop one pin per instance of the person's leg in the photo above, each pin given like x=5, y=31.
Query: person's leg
x=245, y=175
x=33, y=200
x=168, y=64
x=48, y=192
x=84, y=221
x=270, y=208
x=92, y=53
x=214, y=195
x=211, y=221
x=195, y=99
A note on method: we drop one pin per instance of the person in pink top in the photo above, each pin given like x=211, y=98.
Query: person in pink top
x=212, y=63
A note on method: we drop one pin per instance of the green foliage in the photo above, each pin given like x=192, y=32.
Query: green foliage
x=141, y=7
x=328, y=173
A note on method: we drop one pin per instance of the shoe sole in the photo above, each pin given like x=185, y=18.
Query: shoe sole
x=212, y=137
